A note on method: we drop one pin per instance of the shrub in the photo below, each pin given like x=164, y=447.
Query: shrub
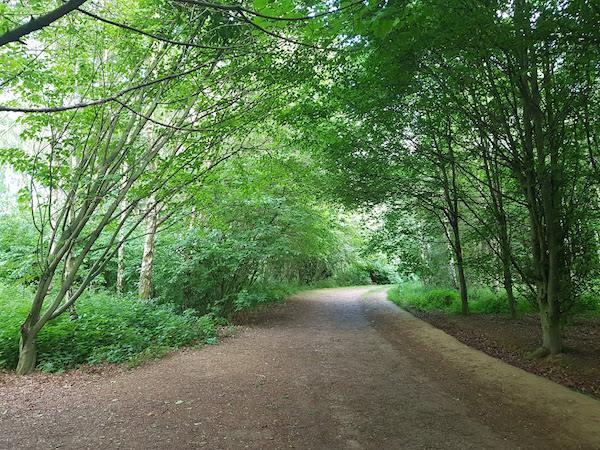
x=109, y=329
x=588, y=303
x=18, y=239
x=355, y=275
x=263, y=293
x=381, y=272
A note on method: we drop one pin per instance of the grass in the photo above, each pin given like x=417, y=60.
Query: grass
x=110, y=329
x=431, y=298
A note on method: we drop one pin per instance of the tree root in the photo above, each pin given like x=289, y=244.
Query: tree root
x=541, y=352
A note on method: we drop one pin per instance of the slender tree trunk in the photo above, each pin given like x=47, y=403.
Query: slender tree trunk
x=494, y=184
x=69, y=269
x=449, y=178
x=452, y=269
x=508, y=287
x=505, y=253
x=460, y=267
x=146, y=290
x=121, y=264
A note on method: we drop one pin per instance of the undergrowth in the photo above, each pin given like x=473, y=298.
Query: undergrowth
x=109, y=329
x=431, y=298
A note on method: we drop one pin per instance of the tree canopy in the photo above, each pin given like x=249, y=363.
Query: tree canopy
x=204, y=154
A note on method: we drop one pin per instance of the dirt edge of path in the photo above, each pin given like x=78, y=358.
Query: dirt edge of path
x=579, y=413
x=511, y=339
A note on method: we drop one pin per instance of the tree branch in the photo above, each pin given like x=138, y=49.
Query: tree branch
x=101, y=101
x=241, y=10
x=40, y=22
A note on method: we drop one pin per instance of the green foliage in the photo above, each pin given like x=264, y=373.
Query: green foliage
x=263, y=294
x=589, y=303
x=110, y=329
x=17, y=248
x=380, y=272
x=430, y=298
x=354, y=275
x=467, y=133
x=258, y=228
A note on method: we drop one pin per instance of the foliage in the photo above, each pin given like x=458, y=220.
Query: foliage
x=110, y=329
x=217, y=157
x=17, y=249
x=431, y=298
x=257, y=227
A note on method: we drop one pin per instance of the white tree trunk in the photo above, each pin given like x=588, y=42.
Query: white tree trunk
x=121, y=263
x=145, y=286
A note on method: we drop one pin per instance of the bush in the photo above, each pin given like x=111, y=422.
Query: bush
x=588, y=303
x=109, y=329
x=18, y=239
x=361, y=274
x=262, y=294
x=381, y=272
x=355, y=275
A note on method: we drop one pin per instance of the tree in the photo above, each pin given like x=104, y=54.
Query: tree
x=517, y=75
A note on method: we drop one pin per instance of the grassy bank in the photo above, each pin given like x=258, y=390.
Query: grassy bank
x=431, y=298
x=481, y=300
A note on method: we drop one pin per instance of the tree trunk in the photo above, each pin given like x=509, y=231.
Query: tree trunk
x=494, y=184
x=551, y=330
x=508, y=287
x=69, y=269
x=27, y=353
x=505, y=253
x=452, y=269
x=121, y=264
x=145, y=286
x=462, y=280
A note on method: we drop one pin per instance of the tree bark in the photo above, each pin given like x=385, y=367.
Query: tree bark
x=460, y=266
x=505, y=253
x=121, y=264
x=551, y=329
x=146, y=290
x=27, y=352
x=452, y=269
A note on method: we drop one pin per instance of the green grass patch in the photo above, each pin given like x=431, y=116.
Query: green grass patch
x=110, y=329
x=431, y=298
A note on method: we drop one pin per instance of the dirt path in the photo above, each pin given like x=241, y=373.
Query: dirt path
x=330, y=369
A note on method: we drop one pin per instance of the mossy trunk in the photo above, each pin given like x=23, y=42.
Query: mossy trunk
x=551, y=332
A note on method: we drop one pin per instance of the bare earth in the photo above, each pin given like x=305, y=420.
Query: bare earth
x=330, y=369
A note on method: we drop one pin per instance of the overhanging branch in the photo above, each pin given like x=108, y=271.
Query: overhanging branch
x=40, y=22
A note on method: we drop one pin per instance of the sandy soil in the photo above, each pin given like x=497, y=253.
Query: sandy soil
x=330, y=369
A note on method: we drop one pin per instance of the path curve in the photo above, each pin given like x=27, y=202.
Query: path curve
x=329, y=369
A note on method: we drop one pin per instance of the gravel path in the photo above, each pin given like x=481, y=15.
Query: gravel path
x=330, y=369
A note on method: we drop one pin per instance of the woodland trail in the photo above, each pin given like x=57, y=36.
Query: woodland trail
x=330, y=369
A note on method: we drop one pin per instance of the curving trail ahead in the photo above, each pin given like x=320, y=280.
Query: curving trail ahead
x=330, y=369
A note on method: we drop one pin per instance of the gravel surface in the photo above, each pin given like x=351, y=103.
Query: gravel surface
x=329, y=369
